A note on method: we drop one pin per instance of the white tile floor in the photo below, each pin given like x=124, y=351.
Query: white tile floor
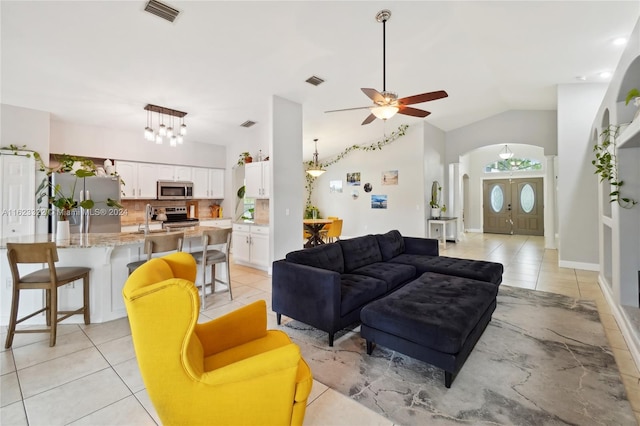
x=91, y=376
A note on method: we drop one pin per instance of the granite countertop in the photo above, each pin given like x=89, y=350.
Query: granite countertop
x=92, y=240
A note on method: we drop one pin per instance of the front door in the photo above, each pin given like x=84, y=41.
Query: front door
x=513, y=206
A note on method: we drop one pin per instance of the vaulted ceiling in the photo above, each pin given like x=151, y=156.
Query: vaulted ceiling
x=100, y=62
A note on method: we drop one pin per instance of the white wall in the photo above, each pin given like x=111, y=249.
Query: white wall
x=286, y=203
x=406, y=207
x=577, y=184
x=537, y=128
x=434, y=162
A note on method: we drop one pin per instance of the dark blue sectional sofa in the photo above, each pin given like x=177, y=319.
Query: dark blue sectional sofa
x=327, y=286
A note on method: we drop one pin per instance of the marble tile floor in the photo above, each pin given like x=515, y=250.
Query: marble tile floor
x=91, y=376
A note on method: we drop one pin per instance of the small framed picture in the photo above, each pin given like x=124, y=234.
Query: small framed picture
x=378, y=201
x=390, y=177
x=353, y=179
x=335, y=186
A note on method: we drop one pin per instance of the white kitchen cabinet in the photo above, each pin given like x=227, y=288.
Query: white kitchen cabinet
x=240, y=238
x=251, y=245
x=139, y=179
x=208, y=183
x=257, y=179
x=18, y=199
x=175, y=173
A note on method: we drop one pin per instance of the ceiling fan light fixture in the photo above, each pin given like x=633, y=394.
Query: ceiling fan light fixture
x=385, y=112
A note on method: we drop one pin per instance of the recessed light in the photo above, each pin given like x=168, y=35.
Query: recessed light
x=620, y=41
x=605, y=74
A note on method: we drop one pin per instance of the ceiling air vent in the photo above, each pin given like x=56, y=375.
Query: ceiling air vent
x=315, y=80
x=248, y=123
x=162, y=10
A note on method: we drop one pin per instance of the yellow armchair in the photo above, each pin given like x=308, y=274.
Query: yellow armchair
x=229, y=371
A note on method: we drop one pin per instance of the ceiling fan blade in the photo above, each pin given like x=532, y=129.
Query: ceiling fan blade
x=369, y=119
x=348, y=109
x=374, y=95
x=424, y=97
x=414, y=112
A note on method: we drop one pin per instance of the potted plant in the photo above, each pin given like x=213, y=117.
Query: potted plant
x=634, y=94
x=245, y=158
x=607, y=167
x=436, y=194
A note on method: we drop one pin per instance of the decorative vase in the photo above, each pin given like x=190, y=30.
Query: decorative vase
x=435, y=212
x=62, y=231
x=248, y=160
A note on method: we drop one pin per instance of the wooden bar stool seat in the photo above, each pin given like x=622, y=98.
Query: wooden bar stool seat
x=48, y=279
x=160, y=243
x=211, y=257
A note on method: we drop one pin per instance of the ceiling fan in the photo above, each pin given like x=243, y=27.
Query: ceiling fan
x=386, y=104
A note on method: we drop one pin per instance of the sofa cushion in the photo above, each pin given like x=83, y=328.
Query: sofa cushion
x=360, y=251
x=475, y=269
x=358, y=290
x=324, y=256
x=391, y=244
x=435, y=311
x=393, y=274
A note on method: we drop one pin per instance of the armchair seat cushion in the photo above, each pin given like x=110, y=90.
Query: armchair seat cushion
x=357, y=290
x=393, y=274
x=273, y=340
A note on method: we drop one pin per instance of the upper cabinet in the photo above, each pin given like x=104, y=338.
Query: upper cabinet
x=139, y=179
x=177, y=173
x=208, y=183
x=257, y=179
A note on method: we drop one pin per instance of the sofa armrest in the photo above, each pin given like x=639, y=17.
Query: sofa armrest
x=425, y=246
x=311, y=295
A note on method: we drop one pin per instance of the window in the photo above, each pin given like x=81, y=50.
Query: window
x=513, y=164
x=527, y=198
x=497, y=198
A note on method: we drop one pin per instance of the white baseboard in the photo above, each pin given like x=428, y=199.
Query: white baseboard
x=477, y=231
x=579, y=265
x=624, y=323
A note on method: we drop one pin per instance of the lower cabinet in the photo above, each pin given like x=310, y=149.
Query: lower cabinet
x=250, y=244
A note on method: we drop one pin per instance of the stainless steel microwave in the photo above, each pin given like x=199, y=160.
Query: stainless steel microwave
x=175, y=190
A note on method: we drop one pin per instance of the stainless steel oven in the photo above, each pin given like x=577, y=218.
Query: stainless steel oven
x=175, y=190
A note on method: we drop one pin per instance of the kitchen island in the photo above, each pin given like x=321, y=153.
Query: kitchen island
x=107, y=254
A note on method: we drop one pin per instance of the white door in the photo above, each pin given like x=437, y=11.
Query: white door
x=183, y=173
x=166, y=172
x=18, y=205
x=266, y=179
x=259, y=249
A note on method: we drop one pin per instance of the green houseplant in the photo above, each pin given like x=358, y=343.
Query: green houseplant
x=244, y=158
x=607, y=167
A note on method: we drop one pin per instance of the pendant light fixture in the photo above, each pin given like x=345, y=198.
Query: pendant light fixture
x=315, y=169
x=174, y=137
x=505, y=153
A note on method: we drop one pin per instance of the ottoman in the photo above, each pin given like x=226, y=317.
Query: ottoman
x=436, y=318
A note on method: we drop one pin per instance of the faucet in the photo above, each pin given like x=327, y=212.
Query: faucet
x=148, y=211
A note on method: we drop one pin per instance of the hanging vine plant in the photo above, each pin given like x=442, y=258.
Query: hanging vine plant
x=310, y=180
x=606, y=164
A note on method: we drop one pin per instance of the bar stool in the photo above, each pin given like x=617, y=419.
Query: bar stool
x=212, y=257
x=160, y=243
x=48, y=279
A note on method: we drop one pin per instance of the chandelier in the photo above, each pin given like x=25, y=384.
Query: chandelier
x=505, y=153
x=175, y=137
x=315, y=169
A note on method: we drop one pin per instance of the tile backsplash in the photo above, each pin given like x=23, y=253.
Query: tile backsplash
x=135, y=209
